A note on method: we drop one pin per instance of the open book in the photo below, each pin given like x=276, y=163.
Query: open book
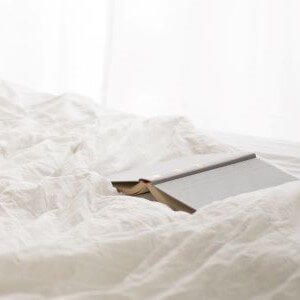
x=190, y=182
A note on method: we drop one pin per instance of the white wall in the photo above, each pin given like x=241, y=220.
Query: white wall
x=21, y=49
x=54, y=45
x=229, y=65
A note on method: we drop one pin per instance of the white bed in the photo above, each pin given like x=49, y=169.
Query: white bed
x=284, y=154
x=65, y=233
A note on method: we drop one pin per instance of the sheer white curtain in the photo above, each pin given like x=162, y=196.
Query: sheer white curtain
x=230, y=65
x=54, y=45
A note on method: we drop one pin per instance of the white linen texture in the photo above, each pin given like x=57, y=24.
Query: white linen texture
x=65, y=233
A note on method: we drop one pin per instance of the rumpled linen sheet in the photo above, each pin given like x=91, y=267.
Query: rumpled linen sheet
x=65, y=233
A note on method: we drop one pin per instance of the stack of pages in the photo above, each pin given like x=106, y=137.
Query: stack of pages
x=190, y=182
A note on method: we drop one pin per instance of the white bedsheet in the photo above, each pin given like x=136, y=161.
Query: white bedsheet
x=284, y=154
x=65, y=233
